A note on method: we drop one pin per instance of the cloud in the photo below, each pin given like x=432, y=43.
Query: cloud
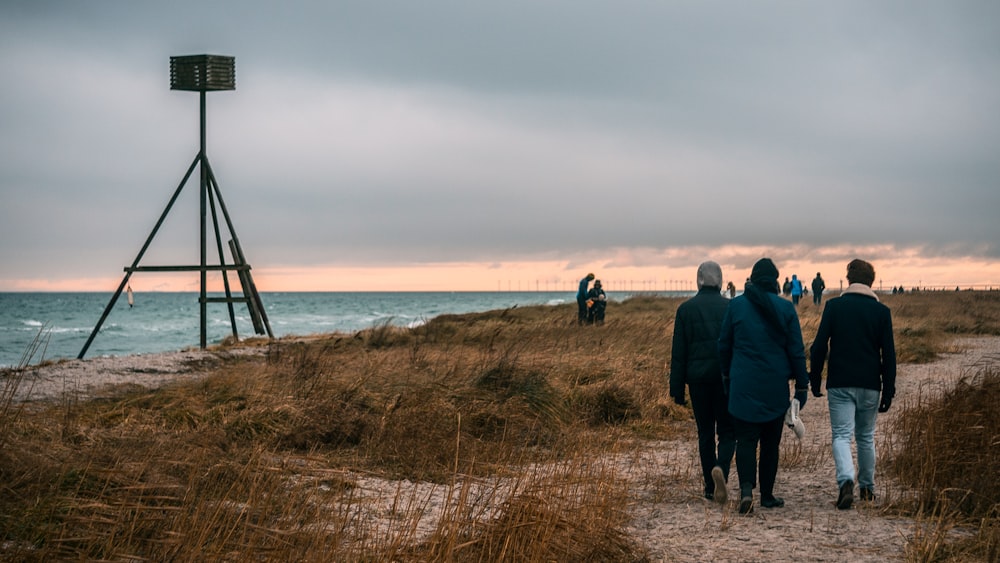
x=383, y=134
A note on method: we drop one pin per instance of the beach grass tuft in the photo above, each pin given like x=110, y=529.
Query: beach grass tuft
x=480, y=437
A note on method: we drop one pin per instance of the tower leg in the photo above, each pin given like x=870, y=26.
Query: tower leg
x=135, y=263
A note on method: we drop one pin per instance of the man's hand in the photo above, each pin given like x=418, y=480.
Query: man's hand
x=885, y=404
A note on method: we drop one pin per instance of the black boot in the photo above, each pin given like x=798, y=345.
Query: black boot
x=846, y=496
x=771, y=501
x=746, y=499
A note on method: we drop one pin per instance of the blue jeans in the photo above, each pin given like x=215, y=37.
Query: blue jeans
x=852, y=415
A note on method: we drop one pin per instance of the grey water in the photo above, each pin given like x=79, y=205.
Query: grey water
x=161, y=321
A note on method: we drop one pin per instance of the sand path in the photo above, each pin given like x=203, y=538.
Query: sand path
x=681, y=526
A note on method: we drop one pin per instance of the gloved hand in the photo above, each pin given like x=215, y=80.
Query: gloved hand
x=802, y=395
x=679, y=399
x=886, y=402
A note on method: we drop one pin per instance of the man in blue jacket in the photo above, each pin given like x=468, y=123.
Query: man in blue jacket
x=581, y=299
x=694, y=361
x=761, y=350
x=796, y=289
x=861, y=376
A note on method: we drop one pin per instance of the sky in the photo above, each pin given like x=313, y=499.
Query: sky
x=515, y=145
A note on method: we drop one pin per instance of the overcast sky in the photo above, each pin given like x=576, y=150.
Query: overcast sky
x=372, y=133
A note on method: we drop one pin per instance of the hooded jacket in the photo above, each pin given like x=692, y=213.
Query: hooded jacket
x=694, y=356
x=759, y=360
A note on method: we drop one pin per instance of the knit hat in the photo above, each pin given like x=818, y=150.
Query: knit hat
x=764, y=281
x=859, y=271
x=764, y=274
x=709, y=275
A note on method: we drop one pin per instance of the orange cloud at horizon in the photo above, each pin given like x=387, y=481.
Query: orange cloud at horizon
x=625, y=271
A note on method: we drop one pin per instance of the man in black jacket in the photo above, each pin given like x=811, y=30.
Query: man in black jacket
x=861, y=376
x=694, y=361
x=818, y=286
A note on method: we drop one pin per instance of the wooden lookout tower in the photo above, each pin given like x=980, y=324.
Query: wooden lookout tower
x=202, y=74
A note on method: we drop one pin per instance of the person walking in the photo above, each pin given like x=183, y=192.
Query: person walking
x=861, y=376
x=581, y=299
x=818, y=286
x=760, y=351
x=796, y=289
x=694, y=361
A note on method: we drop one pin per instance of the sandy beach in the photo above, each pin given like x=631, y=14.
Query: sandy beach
x=96, y=377
x=673, y=523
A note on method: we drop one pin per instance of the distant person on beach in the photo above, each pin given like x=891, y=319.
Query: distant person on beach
x=786, y=288
x=731, y=288
x=694, y=361
x=861, y=376
x=581, y=299
x=796, y=289
x=597, y=301
x=760, y=350
x=818, y=286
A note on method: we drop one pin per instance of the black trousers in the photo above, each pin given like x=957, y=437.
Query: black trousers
x=711, y=415
x=582, y=312
x=748, y=436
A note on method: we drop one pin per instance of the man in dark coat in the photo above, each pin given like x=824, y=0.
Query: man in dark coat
x=818, y=286
x=861, y=376
x=694, y=361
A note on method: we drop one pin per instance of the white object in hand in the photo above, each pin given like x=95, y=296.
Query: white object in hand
x=793, y=421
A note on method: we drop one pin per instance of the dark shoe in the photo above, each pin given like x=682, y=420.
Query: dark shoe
x=709, y=496
x=772, y=502
x=721, y=495
x=746, y=504
x=867, y=495
x=846, y=496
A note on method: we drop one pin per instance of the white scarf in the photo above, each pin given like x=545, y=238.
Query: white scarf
x=861, y=289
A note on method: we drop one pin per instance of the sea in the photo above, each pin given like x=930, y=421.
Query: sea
x=36, y=327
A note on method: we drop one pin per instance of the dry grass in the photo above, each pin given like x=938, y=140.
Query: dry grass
x=476, y=437
x=945, y=454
